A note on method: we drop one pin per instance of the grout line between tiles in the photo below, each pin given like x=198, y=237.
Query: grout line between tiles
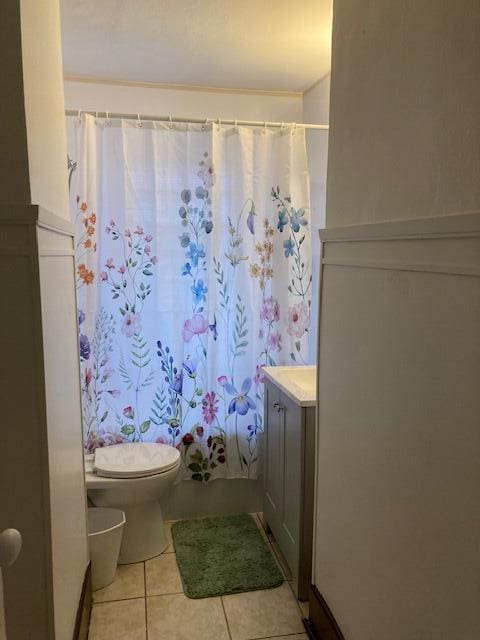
x=117, y=600
x=272, y=548
x=160, y=595
x=299, y=607
x=99, y=604
x=226, y=619
x=145, y=599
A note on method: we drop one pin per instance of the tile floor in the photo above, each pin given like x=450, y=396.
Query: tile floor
x=146, y=602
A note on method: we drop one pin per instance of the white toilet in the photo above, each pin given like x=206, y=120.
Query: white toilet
x=133, y=477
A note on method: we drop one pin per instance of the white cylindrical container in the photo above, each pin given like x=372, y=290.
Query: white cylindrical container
x=105, y=529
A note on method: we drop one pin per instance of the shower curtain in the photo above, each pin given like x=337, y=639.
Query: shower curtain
x=193, y=272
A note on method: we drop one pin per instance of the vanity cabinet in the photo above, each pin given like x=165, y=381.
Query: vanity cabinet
x=289, y=480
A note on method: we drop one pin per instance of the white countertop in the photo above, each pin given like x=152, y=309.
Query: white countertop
x=298, y=382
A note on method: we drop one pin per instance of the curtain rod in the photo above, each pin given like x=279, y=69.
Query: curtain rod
x=243, y=123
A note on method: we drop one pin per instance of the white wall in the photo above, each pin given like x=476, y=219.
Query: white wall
x=397, y=548
x=405, y=126
x=195, y=104
x=397, y=553
x=44, y=104
x=316, y=107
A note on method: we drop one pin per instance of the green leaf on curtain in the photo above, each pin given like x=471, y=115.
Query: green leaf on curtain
x=145, y=426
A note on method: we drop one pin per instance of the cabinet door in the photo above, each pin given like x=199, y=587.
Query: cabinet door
x=292, y=480
x=273, y=496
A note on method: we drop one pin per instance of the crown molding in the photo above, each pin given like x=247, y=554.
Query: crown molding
x=182, y=87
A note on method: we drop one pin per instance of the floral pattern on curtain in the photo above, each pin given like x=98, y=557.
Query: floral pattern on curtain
x=193, y=272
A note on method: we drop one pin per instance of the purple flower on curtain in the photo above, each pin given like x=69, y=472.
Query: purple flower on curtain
x=190, y=367
x=209, y=407
x=177, y=383
x=259, y=377
x=250, y=219
x=84, y=347
x=241, y=402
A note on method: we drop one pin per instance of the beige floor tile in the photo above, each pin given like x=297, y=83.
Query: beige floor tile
x=177, y=617
x=162, y=575
x=122, y=620
x=129, y=583
x=260, y=614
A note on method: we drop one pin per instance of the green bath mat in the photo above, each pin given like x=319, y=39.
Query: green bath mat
x=217, y=556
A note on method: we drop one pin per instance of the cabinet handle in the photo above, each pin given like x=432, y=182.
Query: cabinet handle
x=278, y=407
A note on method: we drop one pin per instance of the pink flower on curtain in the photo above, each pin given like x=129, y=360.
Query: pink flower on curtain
x=207, y=173
x=298, y=319
x=128, y=412
x=194, y=327
x=131, y=324
x=270, y=310
x=275, y=341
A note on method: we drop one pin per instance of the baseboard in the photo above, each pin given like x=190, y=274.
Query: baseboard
x=216, y=498
x=84, y=610
x=321, y=625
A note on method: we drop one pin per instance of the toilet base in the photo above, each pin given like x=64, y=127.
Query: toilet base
x=144, y=533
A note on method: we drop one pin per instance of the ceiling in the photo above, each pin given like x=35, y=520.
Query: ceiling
x=274, y=45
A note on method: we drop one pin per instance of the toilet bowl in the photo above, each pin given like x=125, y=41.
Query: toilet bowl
x=133, y=477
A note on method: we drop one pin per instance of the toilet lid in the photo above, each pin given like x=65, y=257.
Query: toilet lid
x=135, y=459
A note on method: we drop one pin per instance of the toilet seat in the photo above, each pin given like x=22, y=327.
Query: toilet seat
x=135, y=460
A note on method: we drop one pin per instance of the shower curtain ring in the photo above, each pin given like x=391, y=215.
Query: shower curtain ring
x=204, y=125
x=264, y=126
x=108, y=119
x=219, y=123
x=170, y=126
x=139, y=122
